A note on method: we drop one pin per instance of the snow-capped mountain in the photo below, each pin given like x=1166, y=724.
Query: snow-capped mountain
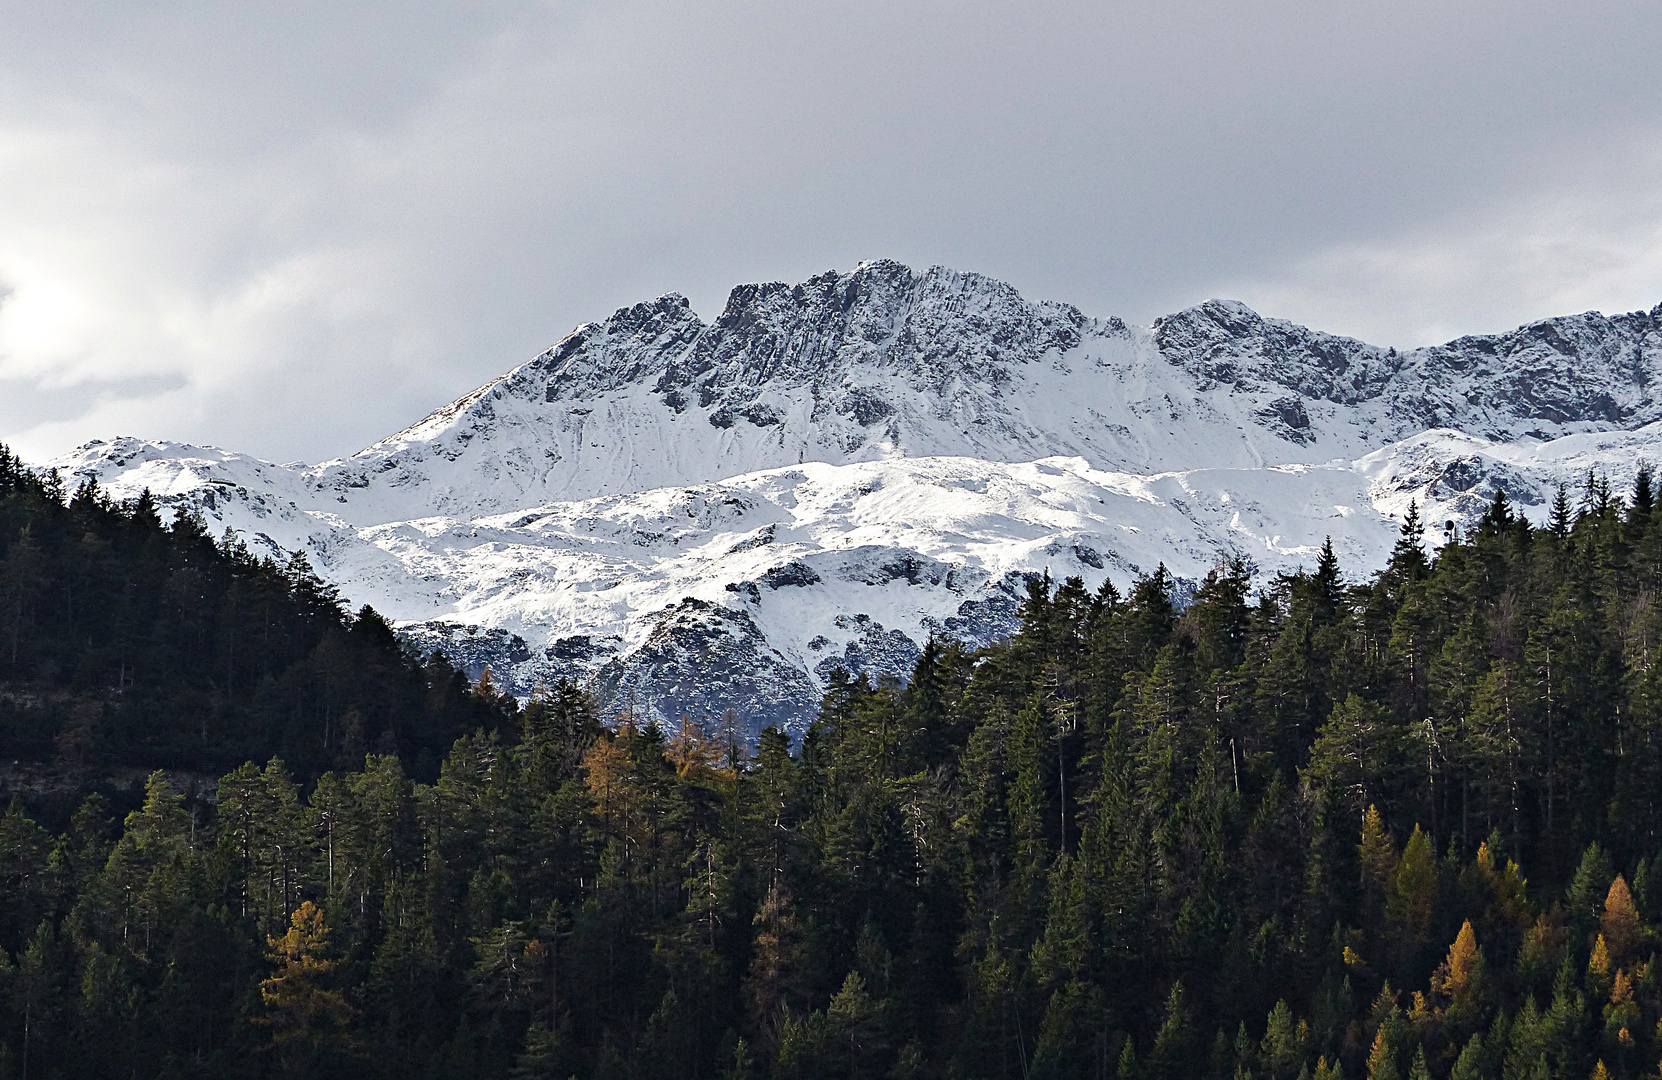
x=702, y=516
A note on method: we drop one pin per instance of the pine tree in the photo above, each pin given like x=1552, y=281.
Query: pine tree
x=1357, y=755
x=1563, y=1024
x=539, y=1059
x=1382, y=1058
x=1414, y=889
x=1591, y=884
x=1470, y=1065
x=1126, y=1068
x=1559, y=522
x=1283, y=1049
x=1408, y=562
x=1412, y=645
x=1173, y=1054
x=1377, y=860
x=853, y=1016
x=40, y=994
x=1031, y=760
x=1291, y=699
x=1644, y=493
x=1222, y=617
x=1327, y=586
x=1497, y=517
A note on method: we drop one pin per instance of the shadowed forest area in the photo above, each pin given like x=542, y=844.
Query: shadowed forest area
x=1401, y=828
x=124, y=642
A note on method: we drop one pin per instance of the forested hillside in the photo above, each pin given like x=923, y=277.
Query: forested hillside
x=1402, y=828
x=127, y=641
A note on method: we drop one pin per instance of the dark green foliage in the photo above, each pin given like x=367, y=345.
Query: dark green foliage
x=124, y=641
x=1241, y=838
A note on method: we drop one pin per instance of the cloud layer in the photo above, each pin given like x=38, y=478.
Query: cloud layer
x=293, y=229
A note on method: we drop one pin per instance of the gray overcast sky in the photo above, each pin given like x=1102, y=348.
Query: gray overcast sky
x=292, y=228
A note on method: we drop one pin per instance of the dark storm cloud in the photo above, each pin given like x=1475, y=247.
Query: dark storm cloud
x=293, y=228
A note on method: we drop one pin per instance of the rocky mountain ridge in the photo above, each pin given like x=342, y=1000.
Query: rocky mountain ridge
x=884, y=362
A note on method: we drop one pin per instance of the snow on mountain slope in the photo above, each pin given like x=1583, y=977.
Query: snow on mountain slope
x=751, y=590
x=703, y=516
x=747, y=593
x=884, y=362
x=1454, y=476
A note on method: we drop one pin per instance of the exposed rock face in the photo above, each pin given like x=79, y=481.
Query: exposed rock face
x=1543, y=380
x=701, y=516
x=700, y=660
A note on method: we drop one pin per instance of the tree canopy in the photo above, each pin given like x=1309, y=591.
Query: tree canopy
x=1405, y=827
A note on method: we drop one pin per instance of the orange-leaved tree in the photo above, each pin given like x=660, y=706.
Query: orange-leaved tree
x=1620, y=921
x=607, y=774
x=696, y=756
x=300, y=1006
x=1460, y=982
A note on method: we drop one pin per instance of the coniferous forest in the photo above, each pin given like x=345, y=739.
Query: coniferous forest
x=1405, y=827
x=124, y=642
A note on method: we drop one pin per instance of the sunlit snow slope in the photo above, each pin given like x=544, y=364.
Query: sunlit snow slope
x=708, y=516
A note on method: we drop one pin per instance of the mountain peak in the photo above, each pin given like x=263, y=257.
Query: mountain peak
x=884, y=361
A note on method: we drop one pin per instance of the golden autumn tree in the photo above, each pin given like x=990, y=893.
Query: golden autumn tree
x=1620, y=921
x=486, y=690
x=1463, y=966
x=1391, y=1032
x=1598, y=968
x=300, y=1006
x=1542, y=949
x=773, y=981
x=606, y=768
x=696, y=756
x=1508, y=903
x=1458, y=981
x=1622, y=1015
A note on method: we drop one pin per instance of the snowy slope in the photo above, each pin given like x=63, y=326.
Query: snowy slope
x=883, y=362
x=710, y=516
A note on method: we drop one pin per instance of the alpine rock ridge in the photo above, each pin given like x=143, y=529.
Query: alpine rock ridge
x=695, y=517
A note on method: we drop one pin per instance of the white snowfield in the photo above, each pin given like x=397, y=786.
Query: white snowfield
x=700, y=517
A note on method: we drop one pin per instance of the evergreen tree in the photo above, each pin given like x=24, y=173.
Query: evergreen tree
x=1096, y=849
